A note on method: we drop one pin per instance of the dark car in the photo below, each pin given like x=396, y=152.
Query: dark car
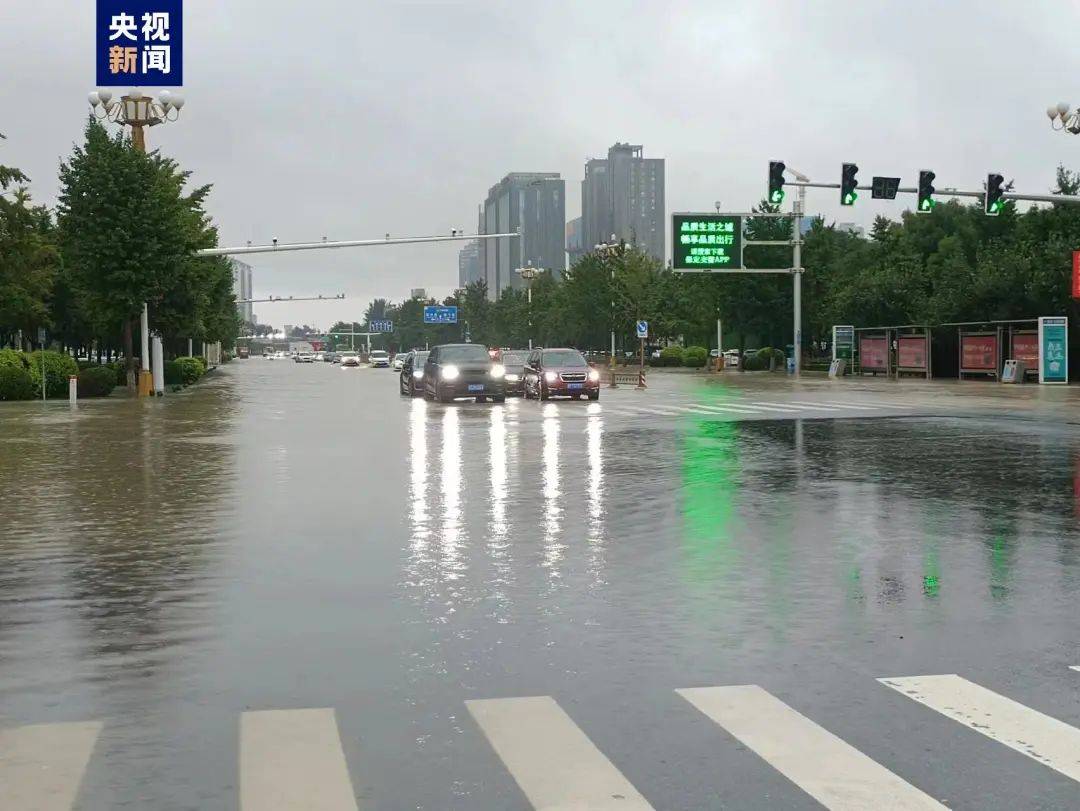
x=463, y=370
x=513, y=360
x=412, y=373
x=560, y=373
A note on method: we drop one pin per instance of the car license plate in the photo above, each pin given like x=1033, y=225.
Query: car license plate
x=476, y=387
x=575, y=385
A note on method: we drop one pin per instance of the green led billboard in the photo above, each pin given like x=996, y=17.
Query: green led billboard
x=706, y=242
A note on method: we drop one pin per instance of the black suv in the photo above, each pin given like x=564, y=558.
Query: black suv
x=463, y=370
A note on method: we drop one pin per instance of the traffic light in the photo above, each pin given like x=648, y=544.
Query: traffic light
x=994, y=189
x=848, y=183
x=926, y=192
x=776, y=182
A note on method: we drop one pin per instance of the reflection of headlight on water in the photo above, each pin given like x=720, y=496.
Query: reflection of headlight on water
x=512, y=378
x=418, y=374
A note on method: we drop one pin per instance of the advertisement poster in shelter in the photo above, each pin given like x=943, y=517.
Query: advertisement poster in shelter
x=873, y=353
x=978, y=353
x=911, y=352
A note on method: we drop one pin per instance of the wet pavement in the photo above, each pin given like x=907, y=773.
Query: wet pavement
x=290, y=576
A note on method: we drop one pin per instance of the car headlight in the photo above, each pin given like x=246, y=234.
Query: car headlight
x=513, y=378
x=418, y=374
x=594, y=375
x=450, y=373
x=498, y=370
x=550, y=377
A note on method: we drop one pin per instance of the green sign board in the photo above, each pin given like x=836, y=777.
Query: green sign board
x=1053, y=350
x=843, y=342
x=706, y=242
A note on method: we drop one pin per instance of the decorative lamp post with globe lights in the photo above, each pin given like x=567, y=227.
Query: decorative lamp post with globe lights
x=1062, y=119
x=137, y=111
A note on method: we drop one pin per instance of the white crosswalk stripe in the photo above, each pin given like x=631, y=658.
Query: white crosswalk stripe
x=552, y=760
x=291, y=760
x=828, y=769
x=1047, y=740
x=845, y=406
x=42, y=766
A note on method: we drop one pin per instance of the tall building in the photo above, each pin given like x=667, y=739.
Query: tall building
x=469, y=267
x=534, y=205
x=241, y=274
x=624, y=195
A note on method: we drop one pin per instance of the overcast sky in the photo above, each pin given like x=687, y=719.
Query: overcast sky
x=350, y=120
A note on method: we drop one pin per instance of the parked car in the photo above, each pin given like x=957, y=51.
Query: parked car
x=560, y=373
x=411, y=380
x=463, y=370
x=379, y=359
x=350, y=359
x=513, y=360
x=731, y=357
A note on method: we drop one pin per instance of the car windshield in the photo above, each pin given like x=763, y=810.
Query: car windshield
x=564, y=357
x=378, y=353
x=457, y=354
x=514, y=358
x=419, y=358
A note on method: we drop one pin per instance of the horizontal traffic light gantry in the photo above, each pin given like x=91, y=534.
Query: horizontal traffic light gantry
x=776, y=182
x=848, y=184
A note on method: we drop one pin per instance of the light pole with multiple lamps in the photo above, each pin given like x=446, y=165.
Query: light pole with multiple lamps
x=607, y=251
x=1062, y=119
x=138, y=111
x=528, y=273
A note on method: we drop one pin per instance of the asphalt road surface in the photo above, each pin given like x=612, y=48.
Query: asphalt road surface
x=290, y=588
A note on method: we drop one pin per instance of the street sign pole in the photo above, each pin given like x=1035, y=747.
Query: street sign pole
x=796, y=263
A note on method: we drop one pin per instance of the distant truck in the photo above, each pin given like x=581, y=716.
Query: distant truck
x=243, y=352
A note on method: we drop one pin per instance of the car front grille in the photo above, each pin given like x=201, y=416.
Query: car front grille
x=573, y=377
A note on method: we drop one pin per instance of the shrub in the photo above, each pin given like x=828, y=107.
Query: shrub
x=58, y=367
x=119, y=370
x=671, y=356
x=96, y=381
x=754, y=363
x=12, y=359
x=695, y=357
x=173, y=376
x=191, y=369
x=15, y=383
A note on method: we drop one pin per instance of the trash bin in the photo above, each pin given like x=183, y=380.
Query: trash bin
x=791, y=366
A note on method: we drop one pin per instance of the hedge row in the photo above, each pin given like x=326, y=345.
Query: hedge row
x=20, y=374
x=693, y=357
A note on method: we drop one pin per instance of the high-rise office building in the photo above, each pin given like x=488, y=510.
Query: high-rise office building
x=469, y=267
x=624, y=195
x=241, y=273
x=534, y=205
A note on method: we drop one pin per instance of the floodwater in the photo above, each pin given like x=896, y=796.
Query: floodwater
x=288, y=536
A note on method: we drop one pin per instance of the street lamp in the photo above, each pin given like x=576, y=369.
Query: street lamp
x=528, y=273
x=138, y=111
x=606, y=251
x=1062, y=119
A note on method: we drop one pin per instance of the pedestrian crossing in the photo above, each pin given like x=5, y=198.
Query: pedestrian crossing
x=630, y=407
x=293, y=759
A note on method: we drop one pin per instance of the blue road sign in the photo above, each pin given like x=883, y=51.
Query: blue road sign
x=140, y=43
x=382, y=326
x=436, y=314
x=643, y=329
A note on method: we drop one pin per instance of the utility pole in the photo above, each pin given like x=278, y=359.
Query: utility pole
x=528, y=273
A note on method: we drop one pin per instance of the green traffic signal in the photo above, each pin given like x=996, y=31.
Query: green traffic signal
x=926, y=192
x=848, y=184
x=995, y=184
x=776, y=182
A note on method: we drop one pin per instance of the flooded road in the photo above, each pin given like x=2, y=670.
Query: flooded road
x=286, y=537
